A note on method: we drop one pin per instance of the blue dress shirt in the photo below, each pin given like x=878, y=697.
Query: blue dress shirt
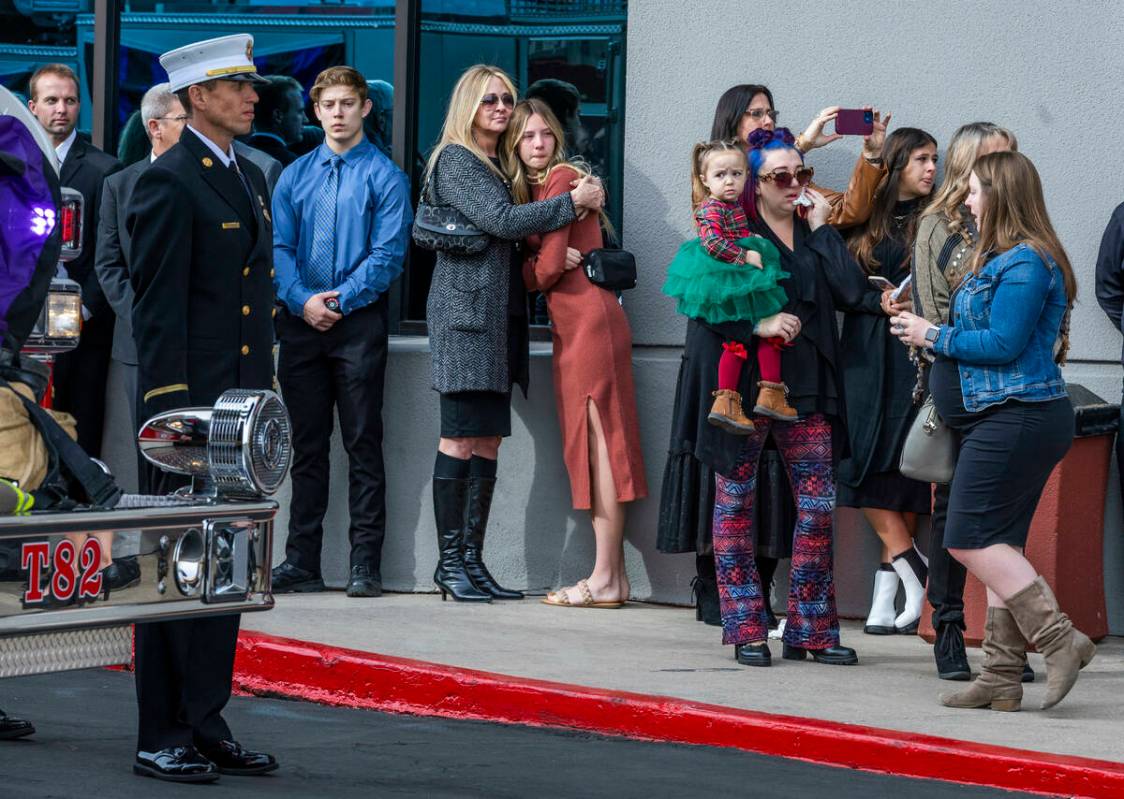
x=372, y=225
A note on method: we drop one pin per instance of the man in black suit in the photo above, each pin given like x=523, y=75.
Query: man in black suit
x=201, y=269
x=163, y=118
x=80, y=375
x=278, y=118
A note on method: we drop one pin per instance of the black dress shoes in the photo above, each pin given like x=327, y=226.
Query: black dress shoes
x=176, y=764
x=122, y=573
x=364, y=581
x=949, y=652
x=230, y=758
x=290, y=579
x=753, y=654
x=11, y=728
x=832, y=656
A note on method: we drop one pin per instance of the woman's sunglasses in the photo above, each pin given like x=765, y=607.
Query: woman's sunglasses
x=783, y=178
x=490, y=100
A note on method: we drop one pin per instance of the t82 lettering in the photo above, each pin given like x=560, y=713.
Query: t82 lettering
x=70, y=573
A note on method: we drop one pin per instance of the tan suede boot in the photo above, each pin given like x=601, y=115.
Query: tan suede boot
x=726, y=412
x=772, y=401
x=1067, y=650
x=999, y=685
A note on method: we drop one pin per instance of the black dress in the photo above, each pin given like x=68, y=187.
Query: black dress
x=879, y=379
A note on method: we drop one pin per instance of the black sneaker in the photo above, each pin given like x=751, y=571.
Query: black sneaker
x=949, y=652
x=290, y=579
x=364, y=581
x=122, y=573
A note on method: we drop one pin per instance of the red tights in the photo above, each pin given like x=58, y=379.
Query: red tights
x=734, y=355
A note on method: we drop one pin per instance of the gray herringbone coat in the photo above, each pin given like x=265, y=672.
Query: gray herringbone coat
x=467, y=307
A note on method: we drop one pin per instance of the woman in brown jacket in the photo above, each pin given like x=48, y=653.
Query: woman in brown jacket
x=592, y=358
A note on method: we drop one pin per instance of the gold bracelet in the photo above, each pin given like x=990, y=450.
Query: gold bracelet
x=801, y=144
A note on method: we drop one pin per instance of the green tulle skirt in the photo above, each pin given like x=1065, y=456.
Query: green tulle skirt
x=715, y=291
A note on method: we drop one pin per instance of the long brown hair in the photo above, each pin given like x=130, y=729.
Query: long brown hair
x=513, y=166
x=1014, y=212
x=699, y=155
x=895, y=154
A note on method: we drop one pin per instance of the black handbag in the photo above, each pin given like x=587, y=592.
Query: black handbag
x=442, y=228
x=611, y=269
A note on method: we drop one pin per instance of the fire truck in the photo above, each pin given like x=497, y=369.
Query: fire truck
x=204, y=550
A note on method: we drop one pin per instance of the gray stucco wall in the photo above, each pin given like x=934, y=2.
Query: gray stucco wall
x=1050, y=76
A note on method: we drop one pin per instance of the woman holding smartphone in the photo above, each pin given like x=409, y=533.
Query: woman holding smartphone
x=880, y=379
x=997, y=385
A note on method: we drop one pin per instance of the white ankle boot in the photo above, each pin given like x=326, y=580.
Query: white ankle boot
x=882, y=611
x=914, y=584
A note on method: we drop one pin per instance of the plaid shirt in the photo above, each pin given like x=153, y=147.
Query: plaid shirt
x=720, y=226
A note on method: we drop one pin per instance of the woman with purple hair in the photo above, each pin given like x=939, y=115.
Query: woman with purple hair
x=820, y=274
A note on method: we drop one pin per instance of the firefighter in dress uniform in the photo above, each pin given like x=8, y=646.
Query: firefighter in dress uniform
x=202, y=318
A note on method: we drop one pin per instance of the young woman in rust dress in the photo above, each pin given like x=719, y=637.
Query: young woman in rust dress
x=592, y=357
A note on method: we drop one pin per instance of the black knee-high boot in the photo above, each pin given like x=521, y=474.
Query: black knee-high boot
x=705, y=586
x=449, y=499
x=480, y=491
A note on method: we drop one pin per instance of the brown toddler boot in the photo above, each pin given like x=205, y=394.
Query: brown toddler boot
x=1067, y=650
x=999, y=685
x=726, y=412
x=772, y=401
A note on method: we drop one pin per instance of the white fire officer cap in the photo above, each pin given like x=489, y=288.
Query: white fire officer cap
x=224, y=58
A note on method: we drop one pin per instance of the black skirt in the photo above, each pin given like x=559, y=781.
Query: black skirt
x=887, y=491
x=475, y=414
x=1007, y=453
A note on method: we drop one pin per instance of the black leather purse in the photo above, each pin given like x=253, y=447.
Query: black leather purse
x=611, y=269
x=442, y=228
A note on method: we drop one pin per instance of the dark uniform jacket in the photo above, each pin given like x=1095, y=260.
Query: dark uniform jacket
x=85, y=170
x=112, y=261
x=202, y=254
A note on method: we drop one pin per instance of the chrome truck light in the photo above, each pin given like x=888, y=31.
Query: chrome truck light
x=59, y=326
x=242, y=447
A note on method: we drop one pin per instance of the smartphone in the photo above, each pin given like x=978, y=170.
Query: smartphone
x=882, y=283
x=902, y=289
x=854, y=122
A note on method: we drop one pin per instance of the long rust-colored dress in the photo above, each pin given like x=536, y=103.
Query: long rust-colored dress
x=592, y=354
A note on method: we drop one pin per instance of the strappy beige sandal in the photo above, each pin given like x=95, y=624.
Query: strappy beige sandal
x=561, y=598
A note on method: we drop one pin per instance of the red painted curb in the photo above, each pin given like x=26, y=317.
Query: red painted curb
x=272, y=666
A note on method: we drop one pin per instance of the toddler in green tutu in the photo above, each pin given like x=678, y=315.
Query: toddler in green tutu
x=728, y=274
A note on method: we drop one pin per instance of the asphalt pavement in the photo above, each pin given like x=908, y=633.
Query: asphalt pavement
x=86, y=724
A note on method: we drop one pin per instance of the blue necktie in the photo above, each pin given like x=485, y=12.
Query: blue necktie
x=322, y=255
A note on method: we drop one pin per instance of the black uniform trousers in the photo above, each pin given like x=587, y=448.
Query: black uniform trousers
x=183, y=672
x=80, y=377
x=342, y=368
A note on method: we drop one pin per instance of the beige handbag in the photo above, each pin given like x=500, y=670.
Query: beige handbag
x=929, y=452
x=23, y=455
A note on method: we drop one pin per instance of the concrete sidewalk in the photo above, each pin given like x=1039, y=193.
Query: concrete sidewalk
x=662, y=650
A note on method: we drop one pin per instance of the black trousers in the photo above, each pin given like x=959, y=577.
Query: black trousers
x=946, y=574
x=79, y=381
x=342, y=369
x=183, y=673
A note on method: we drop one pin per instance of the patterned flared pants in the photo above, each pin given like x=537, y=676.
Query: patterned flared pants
x=812, y=622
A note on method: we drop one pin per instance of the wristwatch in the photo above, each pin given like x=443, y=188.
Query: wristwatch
x=931, y=335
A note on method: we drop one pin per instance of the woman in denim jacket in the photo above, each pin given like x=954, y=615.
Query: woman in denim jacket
x=997, y=384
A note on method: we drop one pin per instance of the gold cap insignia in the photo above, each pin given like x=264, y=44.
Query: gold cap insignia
x=250, y=50
x=207, y=162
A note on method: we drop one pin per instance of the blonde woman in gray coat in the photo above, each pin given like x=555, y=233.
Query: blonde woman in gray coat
x=477, y=319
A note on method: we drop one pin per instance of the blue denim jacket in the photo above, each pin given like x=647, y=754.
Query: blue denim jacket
x=1005, y=323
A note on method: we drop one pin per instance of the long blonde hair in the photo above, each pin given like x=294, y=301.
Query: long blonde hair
x=963, y=150
x=1014, y=212
x=463, y=105
x=521, y=181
